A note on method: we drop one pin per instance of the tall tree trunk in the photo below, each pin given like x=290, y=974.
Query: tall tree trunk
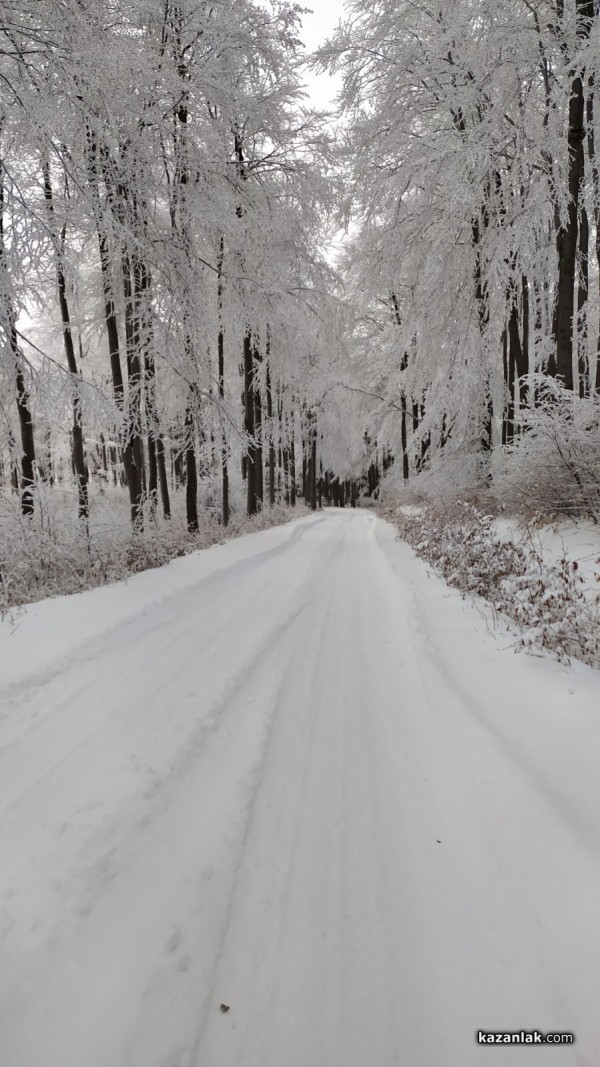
x=249, y=410
x=79, y=464
x=14, y=467
x=162, y=477
x=403, y=436
x=181, y=222
x=482, y=300
x=567, y=241
x=253, y=478
x=152, y=431
x=403, y=407
x=191, y=469
x=258, y=436
x=8, y=324
x=221, y=373
x=292, y=467
x=313, y=464
x=271, y=439
x=525, y=342
x=133, y=448
x=516, y=363
x=143, y=282
x=508, y=423
x=594, y=372
x=110, y=315
x=582, y=302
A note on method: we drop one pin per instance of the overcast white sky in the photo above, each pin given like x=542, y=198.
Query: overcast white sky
x=316, y=27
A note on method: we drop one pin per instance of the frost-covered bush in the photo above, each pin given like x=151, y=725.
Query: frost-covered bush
x=451, y=477
x=550, y=602
x=554, y=465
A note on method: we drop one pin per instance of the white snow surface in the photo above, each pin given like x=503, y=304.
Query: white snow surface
x=577, y=540
x=297, y=776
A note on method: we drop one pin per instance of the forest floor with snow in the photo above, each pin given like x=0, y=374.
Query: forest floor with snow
x=295, y=777
x=53, y=553
x=541, y=574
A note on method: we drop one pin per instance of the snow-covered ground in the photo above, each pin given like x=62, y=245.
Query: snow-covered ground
x=294, y=775
x=577, y=540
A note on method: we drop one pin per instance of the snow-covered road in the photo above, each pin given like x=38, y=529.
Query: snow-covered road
x=294, y=775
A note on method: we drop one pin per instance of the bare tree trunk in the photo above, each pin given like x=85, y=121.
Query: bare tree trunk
x=191, y=487
x=313, y=464
x=525, y=342
x=271, y=440
x=403, y=409
x=594, y=372
x=221, y=372
x=515, y=363
x=79, y=464
x=110, y=317
x=292, y=468
x=582, y=302
x=508, y=420
x=403, y=436
x=482, y=300
x=258, y=436
x=14, y=468
x=8, y=323
x=133, y=448
x=162, y=477
x=567, y=242
x=249, y=410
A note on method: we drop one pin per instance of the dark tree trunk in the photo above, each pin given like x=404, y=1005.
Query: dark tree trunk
x=508, y=421
x=14, y=467
x=249, y=410
x=292, y=469
x=567, y=241
x=110, y=318
x=152, y=472
x=22, y=394
x=525, y=342
x=258, y=439
x=162, y=477
x=26, y=427
x=567, y=238
x=271, y=439
x=191, y=487
x=582, y=300
x=313, y=468
x=133, y=448
x=595, y=173
x=285, y=454
x=483, y=307
x=152, y=421
x=286, y=473
x=221, y=373
x=78, y=446
x=403, y=437
x=517, y=364
x=178, y=467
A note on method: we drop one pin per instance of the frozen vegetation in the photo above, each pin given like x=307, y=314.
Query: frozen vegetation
x=299, y=532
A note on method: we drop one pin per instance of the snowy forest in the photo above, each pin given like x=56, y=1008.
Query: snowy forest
x=217, y=300
x=299, y=533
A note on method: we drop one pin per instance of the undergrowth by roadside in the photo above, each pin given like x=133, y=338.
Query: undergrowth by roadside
x=53, y=555
x=551, y=603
